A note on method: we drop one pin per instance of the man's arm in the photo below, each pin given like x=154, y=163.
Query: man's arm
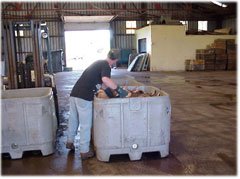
x=109, y=83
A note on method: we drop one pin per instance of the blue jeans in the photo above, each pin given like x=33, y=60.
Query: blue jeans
x=80, y=116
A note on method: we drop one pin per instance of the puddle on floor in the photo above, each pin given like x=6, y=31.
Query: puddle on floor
x=169, y=165
x=213, y=82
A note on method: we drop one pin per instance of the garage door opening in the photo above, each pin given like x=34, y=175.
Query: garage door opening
x=85, y=47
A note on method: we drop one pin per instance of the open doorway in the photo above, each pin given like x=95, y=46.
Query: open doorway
x=85, y=47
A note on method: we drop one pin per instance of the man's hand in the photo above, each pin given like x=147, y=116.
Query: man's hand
x=122, y=93
x=109, y=93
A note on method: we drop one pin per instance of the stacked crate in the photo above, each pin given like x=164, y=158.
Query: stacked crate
x=220, y=55
x=231, y=54
x=194, y=65
x=220, y=48
x=208, y=56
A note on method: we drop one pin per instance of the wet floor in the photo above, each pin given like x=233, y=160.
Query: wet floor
x=203, y=131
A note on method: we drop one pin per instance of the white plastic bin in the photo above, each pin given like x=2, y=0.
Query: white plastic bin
x=28, y=121
x=132, y=125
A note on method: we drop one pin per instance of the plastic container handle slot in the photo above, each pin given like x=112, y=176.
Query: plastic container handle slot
x=168, y=110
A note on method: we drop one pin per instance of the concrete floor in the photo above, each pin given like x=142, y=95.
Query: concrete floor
x=203, y=131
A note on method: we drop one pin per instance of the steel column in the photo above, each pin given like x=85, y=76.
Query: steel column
x=11, y=62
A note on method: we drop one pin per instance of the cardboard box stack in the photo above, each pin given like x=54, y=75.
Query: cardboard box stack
x=220, y=47
x=208, y=56
x=231, y=54
x=194, y=65
x=220, y=55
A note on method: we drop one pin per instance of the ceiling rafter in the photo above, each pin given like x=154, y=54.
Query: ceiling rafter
x=32, y=11
x=123, y=10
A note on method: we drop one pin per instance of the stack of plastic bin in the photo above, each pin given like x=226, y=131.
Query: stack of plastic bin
x=132, y=125
x=28, y=121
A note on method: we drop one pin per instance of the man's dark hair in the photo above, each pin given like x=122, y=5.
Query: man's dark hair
x=113, y=54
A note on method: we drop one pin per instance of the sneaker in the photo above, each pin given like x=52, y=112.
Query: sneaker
x=70, y=146
x=87, y=155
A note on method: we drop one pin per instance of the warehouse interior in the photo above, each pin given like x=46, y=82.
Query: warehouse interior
x=186, y=52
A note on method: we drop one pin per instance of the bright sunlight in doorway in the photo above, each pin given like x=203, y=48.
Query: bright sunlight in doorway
x=85, y=47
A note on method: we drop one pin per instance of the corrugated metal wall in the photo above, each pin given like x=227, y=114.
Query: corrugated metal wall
x=119, y=38
x=56, y=36
x=158, y=8
x=192, y=25
x=230, y=23
x=212, y=25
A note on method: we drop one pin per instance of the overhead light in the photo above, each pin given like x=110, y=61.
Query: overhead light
x=219, y=3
